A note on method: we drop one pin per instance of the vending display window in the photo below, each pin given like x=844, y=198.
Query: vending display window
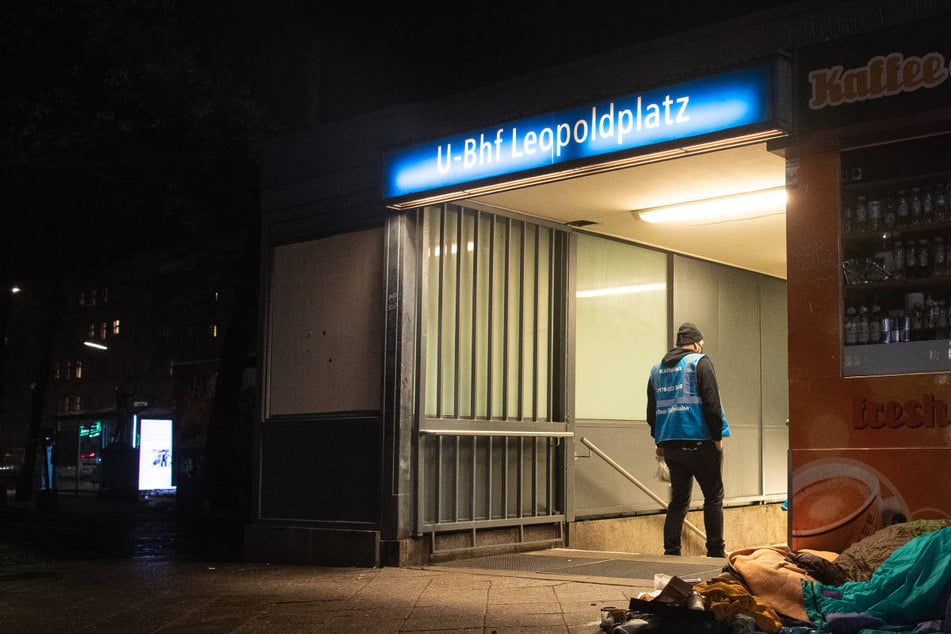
x=896, y=258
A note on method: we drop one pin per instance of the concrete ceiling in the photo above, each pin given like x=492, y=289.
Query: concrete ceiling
x=607, y=201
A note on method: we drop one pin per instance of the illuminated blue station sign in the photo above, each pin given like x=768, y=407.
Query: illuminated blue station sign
x=705, y=106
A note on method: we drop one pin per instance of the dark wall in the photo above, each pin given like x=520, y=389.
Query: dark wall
x=324, y=469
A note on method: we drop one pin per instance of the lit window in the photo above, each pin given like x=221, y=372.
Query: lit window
x=104, y=330
x=79, y=369
x=214, y=330
x=56, y=370
x=77, y=403
x=92, y=329
x=115, y=326
x=82, y=298
x=216, y=296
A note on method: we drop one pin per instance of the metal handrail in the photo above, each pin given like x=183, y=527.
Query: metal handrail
x=640, y=485
x=487, y=432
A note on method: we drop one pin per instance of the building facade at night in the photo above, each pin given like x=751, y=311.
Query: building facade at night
x=462, y=298
x=137, y=338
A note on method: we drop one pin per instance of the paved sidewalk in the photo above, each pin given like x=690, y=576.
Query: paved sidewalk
x=57, y=574
x=138, y=595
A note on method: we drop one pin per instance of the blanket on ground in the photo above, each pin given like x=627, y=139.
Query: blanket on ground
x=861, y=559
x=772, y=575
x=775, y=573
x=903, y=591
x=727, y=598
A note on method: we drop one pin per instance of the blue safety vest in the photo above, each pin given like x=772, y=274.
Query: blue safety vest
x=679, y=407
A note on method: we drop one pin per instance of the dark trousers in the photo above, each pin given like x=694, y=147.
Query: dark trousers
x=688, y=460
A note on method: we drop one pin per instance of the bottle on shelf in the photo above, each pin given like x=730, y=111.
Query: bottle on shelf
x=903, y=210
x=875, y=322
x=851, y=326
x=924, y=262
x=860, y=222
x=862, y=331
x=889, y=216
x=875, y=218
x=937, y=256
x=898, y=260
x=930, y=319
x=941, y=325
x=915, y=206
x=927, y=205
x=847, y=214
x=911, y=259
x=917, y=322
x=940, y=205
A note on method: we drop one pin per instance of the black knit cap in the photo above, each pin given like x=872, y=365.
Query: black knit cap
x=688, y=333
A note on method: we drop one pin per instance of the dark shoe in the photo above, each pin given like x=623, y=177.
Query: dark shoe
x=719, y=554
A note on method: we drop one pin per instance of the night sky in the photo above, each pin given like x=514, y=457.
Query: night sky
x=409, y=51
x=128, y=126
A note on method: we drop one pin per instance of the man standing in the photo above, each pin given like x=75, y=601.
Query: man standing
x=688, y=425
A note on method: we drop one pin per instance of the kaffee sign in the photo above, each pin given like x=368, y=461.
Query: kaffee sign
x=882, y=76
x=888, y=74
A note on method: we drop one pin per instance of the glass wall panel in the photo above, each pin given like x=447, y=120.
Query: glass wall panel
x=432, y=228
x=497, y=325
x=466, y=287
x=543, y=335
x=448, y=261
x=492, y=319
x=482, y=314
x=621, y=326
x=487, y=312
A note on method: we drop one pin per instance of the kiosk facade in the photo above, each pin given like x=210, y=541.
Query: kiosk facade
x=869, y=359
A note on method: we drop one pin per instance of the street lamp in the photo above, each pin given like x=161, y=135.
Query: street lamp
x=119, y=459
x=6, y=306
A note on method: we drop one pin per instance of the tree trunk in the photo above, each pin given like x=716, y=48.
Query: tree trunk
x=51, y=313
x=228, y=451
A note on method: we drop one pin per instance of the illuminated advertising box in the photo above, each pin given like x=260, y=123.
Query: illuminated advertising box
x=155, y=454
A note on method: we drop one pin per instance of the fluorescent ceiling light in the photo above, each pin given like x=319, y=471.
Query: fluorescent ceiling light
x=622, y=290
x=763, y=202
x=93, y=344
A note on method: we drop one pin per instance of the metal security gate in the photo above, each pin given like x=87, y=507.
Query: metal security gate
x=492, y=432
x=481, y=478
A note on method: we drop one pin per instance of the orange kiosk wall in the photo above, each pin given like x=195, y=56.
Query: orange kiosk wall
x=869, y=433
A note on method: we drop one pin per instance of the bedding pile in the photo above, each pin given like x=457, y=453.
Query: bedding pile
x=896, y=580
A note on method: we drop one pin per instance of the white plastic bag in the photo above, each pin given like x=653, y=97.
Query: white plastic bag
x=663, y=471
